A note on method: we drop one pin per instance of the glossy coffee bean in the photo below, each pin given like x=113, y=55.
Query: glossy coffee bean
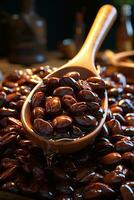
x=93, y=106
x=129, y=131
x=84, y=175
x=129, y=89
x=76, y=132
x=51, y=82
x=68, y=100
x=8, y=173
x=68, y=81
x=117, y=109
x=84, y=85
x=127, y=192
x=114, y=126
x=96, y=83
x=119, y=117
x=53, y=105
x=62, y=121
x=38, y=112
x=126, y=157
x=114, y=178
x=86, y=120
x=38, y=99
x=129, y=119
x=126, y=105
x=74, y=75
x=113, y=92
x=63, y=90
x=42, y=127
x=97, y=191
x=2, y=99
x=7, y=112
x=124, y=146
x=88, y=95
x=111, y=159
x=79, y=107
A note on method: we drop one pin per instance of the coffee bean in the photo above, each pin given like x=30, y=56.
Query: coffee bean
x=53, y=105
x=76, y=132
x=62, y=121
x=74, y=75
x=84, y=85
x=38, y=112
x=117, y=109
x=97, y=191
x=2, y=99
x=129, y=131
x=84, y=175
x=61, y=91
x=86, y=120
x=68, y=81
x=78, y=108
x=111, y=159
x=68, y=100
x=129, y=119
x=38, y=99
x=42, y=127
x=113, y=92
x=124, y=146
x=96, y=83
x=126, y=192
x=126, y=105
x=114, y=126
x=93, y=106
x=8, y=174
x=88, y=95
x=129, y=89
x=114, y=178
x=119, y=117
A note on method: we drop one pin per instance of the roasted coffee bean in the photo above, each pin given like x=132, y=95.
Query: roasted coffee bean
x=84, y=85
x=116, y=138
x=53, y=105
x=111, y=101
x=103, y=147
x=76, y=132
x=88, y=95
x=68, y=100
x=8, y=162
x=84, y=175
x=19, y=104
x=38, y=99
x=96, y=83
x=62, y=121
x=42, y=127
x=8, y=174
x=60, y=173
x=52, y=82
x=129, y=131
x=117, y=109
x=124, y=146
x=114, y=178
x=97, y=191
x=129, y=89
x=7, y=112
x=68, y=81
x=38, y=112
x=126, y=105
x=119, y=117
x=14, y=96
x=79, y=107
x=64, y=188
x=126, y=157
x=113, y=92
x=8, y=141
x=86, y=120
x=93, y=106
x=74, y=75
x=111, y=159
x=129, y=119
x=114, y=126
x=64, y=90
x=127, y=192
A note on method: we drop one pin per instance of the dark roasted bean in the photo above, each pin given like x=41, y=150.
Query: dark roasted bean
x=127, y=192
x=38, y=112
x=97, y=191
x=2, y=99
x=126, y=105
x=119, y=117
x=38, y=99
x=86, y=120
x=129, y=131
x=62, y=121
x=68, y=81
x=78, y=108
x=117, y=109
x=84, y=175
x=88, y=95
x=8, y=174
x=93, y=106
x=68, y=100
x=74, y=75
x=64, y=90
x=43, y=127
x=7, y=112
x=111, y=159
x=113, y=92
x=124, y=146
x=53, y=105
x=114, y=178
x=114, y=126
x=129, y=89
x=96, y=83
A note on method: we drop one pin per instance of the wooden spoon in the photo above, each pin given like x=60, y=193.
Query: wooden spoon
x=83, y=62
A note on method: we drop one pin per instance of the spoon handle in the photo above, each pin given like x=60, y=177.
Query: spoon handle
x=103, y=22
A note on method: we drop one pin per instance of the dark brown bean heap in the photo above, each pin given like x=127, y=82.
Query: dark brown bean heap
x=99, y=172
x=67, y=104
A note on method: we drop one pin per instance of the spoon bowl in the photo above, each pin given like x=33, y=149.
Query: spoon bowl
x=83, y=63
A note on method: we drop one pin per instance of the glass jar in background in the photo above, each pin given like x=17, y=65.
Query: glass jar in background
x=125, y=32
x=27, y=34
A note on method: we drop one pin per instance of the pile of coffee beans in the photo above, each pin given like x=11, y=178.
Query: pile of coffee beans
x=67, y=107
x=103, y=171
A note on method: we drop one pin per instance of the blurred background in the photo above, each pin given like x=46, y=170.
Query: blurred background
x=29, y=29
